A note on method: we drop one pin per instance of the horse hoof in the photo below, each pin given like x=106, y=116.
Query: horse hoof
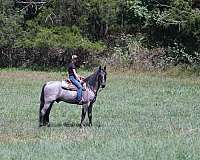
x=48, y=125
x=41, y=125
x=90, y=124
x=82, y=125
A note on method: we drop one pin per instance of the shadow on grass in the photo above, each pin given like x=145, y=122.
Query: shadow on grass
x=73, y=124
x=66, y=124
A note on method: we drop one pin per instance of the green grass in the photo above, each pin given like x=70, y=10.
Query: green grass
x=137, y=116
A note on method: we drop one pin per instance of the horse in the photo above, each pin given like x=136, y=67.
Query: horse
x=54, y=92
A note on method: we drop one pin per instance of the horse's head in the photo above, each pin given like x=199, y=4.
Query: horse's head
x=102, y=76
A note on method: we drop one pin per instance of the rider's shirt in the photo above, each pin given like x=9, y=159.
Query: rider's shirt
x=71, y=66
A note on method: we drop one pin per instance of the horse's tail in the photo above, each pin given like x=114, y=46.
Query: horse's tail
x=42, y=97
x=42, y=101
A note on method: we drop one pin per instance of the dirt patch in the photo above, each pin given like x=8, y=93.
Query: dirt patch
x=37, y=135
x=31, y=75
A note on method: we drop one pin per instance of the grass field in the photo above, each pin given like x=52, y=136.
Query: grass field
x=137, y=116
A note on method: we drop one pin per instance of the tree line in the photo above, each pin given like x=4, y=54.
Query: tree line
x=124, y=29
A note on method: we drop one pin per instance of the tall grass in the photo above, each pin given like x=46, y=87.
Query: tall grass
x=137, y=116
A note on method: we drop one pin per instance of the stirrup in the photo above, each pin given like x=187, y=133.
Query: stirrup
x=80, y=102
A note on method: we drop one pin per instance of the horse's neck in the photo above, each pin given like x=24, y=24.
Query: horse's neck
x=92, y=82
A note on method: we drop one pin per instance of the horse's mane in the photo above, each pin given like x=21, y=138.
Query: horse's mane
x=91, y=78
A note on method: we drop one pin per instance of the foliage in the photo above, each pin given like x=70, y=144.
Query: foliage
x=58, y=37
x=170, y=24
x=136, y=14
x=10, y=24
x=176, y=28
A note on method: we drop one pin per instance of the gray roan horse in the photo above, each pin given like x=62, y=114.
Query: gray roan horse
x=53, y=91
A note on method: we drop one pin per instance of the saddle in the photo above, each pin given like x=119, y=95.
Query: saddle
x=67, y=85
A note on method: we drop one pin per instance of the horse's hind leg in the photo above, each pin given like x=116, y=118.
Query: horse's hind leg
x=46, y=116
x=41, y=119
x=42, y=114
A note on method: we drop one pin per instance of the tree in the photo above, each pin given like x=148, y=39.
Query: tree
x=177, y=26
x=10, y=24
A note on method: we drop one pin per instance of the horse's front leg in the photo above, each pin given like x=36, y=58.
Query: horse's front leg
x=90, y=114
x=84, y=110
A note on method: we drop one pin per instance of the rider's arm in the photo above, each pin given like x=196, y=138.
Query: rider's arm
x=76, y=75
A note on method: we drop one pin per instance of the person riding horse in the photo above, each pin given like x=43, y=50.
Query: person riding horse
x=53, y=91
x=74, y=78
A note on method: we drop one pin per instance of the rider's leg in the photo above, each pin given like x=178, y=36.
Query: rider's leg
x=79, y=86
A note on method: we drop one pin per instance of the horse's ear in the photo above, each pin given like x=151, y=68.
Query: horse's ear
x=104, y=68
x=99, y=67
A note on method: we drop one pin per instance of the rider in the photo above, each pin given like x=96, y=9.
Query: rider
x=73, y=76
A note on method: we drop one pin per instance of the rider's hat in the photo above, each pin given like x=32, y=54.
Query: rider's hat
x=74, y=56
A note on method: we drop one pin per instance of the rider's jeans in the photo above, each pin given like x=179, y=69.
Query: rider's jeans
x=78, y=85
